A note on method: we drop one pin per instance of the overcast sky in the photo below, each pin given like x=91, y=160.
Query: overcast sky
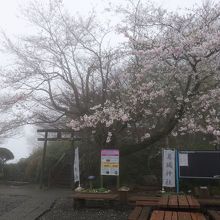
x=10, y=22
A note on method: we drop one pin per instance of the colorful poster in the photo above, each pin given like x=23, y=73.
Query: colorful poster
x=168, y=168
x=110, y=162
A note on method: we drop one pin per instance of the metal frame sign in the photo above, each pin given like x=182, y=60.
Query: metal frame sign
x=110, y=162
x=168, y=168
x=199, y=164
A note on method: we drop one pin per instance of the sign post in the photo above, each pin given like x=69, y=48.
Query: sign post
x=168, y=168
x=177, y=172
x=109, y=164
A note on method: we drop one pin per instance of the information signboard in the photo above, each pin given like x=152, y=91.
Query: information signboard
x=199, y=164
x=110, y=162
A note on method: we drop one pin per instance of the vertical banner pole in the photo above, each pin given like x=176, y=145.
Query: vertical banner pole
x=162, y=170
x=118, y=182
x=177, y=171
x=101, y=180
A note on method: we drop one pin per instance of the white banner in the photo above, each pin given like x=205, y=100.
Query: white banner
x=168, y=164
x=76, y=166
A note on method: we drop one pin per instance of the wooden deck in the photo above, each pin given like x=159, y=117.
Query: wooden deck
x=178, y=202
x=143, y=201
x=140, y=213
x=172, y=215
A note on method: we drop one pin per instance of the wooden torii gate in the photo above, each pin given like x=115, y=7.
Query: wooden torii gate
x=58, y=137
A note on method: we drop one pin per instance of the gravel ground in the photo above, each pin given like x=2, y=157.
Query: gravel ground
x=62, y=210
x=9, y=202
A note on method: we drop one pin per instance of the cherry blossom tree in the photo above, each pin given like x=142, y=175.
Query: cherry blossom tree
x=170, y=78
x=163, y=79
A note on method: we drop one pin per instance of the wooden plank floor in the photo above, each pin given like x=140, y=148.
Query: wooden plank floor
x=183, y=202
x=140, y=213
x=193, y=203
x=178, y=202
x=147, y=203
x=173, y=202
x=163, y=202
x=135, y=213
x=172, y=215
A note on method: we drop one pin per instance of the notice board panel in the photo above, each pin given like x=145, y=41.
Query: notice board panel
x=110, y=162
x=199, y=164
